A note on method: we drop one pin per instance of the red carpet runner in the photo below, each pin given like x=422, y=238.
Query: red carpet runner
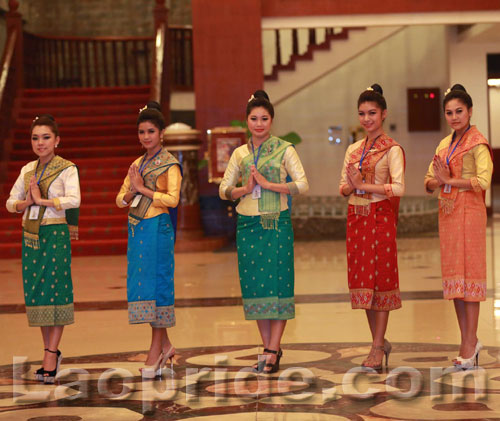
x=98, y=133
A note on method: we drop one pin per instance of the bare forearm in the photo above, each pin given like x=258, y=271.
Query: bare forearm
x=433, y=184
x=347, y=189
x=22, y=205
x=128, y=197
x=277, y=187
x=146, y=192
x=238, y=192
x=460, y=183
x=373, y=188
x=48, y=203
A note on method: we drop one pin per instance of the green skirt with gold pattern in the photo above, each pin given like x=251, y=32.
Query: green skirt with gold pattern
x=48, y=289
x=266, y=268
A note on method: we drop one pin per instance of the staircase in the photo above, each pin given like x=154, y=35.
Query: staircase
x=99, y=134
x=295, y=57
x=321, y=59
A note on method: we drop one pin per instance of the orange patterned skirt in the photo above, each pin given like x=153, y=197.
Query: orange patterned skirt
x=372, y=260
x=462, y=235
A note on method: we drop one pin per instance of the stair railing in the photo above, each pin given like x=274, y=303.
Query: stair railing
x=64, y=62
x=284, y=44
x=11, y=80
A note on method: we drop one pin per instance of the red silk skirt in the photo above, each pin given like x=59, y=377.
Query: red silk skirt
x=372, y=259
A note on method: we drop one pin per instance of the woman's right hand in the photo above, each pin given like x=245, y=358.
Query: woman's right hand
x=250, y=183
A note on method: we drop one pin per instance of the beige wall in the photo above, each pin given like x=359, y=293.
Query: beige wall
x=494, y=110
x=468, y=66
x=415, y=57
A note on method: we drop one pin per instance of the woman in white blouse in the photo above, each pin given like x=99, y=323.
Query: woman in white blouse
x=264, y=234
x=47, y=192
x=373, y=178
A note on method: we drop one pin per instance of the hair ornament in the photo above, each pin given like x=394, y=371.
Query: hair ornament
x=143, y=108
x=369, y=88
x=252, y=98
x=447, y=91
x=35, y=119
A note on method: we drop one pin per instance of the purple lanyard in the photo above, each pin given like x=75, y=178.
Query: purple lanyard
x=448, y=157
x=366, y=153
x=143, y=167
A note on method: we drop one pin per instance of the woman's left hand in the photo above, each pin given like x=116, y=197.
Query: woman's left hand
x=259, y=178
x=441, y=171
x=136, y=179
x=354, y=177
x=35, y=191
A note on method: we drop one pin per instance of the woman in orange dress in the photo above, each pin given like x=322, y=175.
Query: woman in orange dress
x=462, y=169
x=373, y=179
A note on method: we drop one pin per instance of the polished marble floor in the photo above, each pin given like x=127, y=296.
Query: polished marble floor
x=323, y=347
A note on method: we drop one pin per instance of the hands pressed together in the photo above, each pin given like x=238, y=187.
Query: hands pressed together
x=256, y=178
x=34, y=196
x=136, y=180
x=354, y=177
x=441, y=171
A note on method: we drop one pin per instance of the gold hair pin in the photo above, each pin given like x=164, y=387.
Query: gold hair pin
x=251, y=98
x=447, y=91
x=142, y=109
x=369, y=88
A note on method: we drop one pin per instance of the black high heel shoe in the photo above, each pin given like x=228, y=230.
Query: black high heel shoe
x=270, y=368
x=49, y=376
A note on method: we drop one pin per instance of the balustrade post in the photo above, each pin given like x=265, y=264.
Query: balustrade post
x=160, y=80
x=14, y=23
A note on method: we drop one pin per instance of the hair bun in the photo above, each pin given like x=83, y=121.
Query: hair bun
x=377, y=88
x=261, y=94
x=458, y=87
x=153, y=105
x=48, y=116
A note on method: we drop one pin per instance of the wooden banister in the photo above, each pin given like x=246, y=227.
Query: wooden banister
x=160, y=77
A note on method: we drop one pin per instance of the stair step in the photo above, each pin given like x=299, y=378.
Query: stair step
x=62, y=92
x=78, y=132
x=99, y=120
x=44, y=104
x=85, y=110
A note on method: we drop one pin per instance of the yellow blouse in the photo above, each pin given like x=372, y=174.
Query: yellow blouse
x=168, y=189
x=477, y=166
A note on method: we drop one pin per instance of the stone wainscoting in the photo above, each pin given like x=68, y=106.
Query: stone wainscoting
x=324, y=217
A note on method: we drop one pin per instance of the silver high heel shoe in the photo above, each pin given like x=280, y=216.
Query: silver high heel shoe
x=152, y=371
x=466, y=363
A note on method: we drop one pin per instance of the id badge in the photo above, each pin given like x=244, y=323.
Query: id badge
x=136, y=201
x=34, y=211
x=256, y=192
x=447, y=188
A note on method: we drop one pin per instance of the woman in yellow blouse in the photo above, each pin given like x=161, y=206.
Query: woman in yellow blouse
x=151, y=190
x=461, y=169
x=264, y=233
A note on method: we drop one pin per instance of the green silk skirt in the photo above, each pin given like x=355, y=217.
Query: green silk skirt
x=48, y=289
x=266, y=268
